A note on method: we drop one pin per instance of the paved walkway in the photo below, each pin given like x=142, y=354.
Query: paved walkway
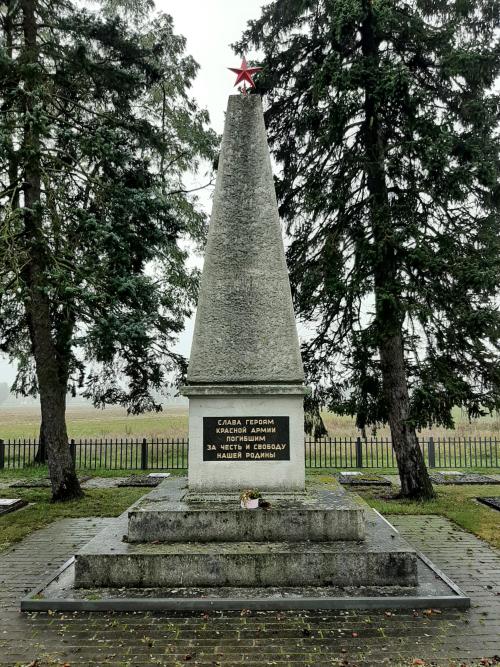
x=348, y=639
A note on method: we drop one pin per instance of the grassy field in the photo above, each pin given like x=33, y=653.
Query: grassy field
x=83, y=422
x=86, y=422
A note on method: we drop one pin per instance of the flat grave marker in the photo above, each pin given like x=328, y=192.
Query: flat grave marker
x=11, y=505
x=455, y=477
x=493, y=502
x=356, y=478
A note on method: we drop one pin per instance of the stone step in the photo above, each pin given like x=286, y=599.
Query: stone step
x=384, y=558
x=165, y=515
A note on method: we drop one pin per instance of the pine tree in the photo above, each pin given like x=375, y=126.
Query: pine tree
x=96, y=134
x=384, y=118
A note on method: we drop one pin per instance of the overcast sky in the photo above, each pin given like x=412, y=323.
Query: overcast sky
x=209, y=26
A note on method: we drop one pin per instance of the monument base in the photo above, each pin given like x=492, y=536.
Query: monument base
x=246, y=437
x=382, y=559
x=433, y=591
x=380, y=571
x=329, y=538
x=169, y=514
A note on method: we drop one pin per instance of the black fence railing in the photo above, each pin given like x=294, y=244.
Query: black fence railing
x=94, y=454
x=172, y=453
x=441, y=452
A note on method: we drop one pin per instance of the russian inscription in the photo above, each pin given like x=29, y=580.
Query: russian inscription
x=246, y=438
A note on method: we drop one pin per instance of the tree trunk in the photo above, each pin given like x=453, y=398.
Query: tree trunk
x=415, y=480
x=51, y=381
x=389, y=314
x=41, y=452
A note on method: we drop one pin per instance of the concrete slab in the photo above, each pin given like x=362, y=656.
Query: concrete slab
x=493, y=502
x=58, y=593
x=140, y=480
x=456, y=477
x=11, y=504
x=384, y=558
x=362, y=479
x=167, y=515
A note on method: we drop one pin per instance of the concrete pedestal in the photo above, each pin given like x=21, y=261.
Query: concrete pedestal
x=266, y=471
x=319, y=515
x=113, y=573
x=329, y=539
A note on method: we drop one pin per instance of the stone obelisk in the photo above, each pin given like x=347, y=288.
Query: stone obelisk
x=245, y=376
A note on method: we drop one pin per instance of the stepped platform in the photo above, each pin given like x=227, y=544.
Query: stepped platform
x=112, y=573
x=383, y=558
x=58, y=593
x=170, y=514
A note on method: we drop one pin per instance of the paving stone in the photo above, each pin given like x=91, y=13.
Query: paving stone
x=260, y=638
x=350, y=478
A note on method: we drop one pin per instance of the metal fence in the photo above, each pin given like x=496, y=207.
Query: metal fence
x=172, y=453
x=104, y=454
x=441, y=452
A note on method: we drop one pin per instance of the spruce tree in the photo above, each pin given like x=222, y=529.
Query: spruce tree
x=96, y=134
x=383, y=116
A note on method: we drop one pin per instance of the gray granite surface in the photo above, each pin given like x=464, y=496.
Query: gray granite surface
x=245, y=328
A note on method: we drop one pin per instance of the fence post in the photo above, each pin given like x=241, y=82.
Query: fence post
x=72, y=450
x=431, y=453
x=359, y=453
x=2, y=454
x=144, y=454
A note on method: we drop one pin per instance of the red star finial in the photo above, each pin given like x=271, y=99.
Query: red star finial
x=245, y=74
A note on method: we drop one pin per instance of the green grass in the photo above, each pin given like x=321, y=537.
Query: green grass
x=96, y=503
x=38, y=472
